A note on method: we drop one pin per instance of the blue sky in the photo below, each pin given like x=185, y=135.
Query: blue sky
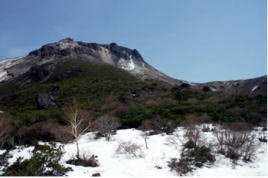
x=195, y=40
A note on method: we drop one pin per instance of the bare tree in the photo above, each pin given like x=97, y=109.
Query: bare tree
x=79, y=121
x=5, y=129
x=146, y=126
x=106, y=125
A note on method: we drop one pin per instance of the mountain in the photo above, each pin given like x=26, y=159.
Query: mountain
x=41, y=62
x=67, y=49
x=115, y=80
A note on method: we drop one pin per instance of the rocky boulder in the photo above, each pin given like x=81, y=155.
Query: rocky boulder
x=45, y=101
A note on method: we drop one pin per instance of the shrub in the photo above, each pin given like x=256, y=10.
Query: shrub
x=263, y=136
x=161, y=125
x=197, y=155
x=190, y=144
x=235, y=144
x=194, y=152
x=106, y=125
x=238, y=126
x=131, y=149
x=181, y=166
x=4, y=160
x=85, y=160
x=43, y=131
x=202, y=155
x=193, y=135
x=205, y=128
x=5, y=130
x=44, y=162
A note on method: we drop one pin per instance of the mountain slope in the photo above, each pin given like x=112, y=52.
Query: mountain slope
x=110, y=79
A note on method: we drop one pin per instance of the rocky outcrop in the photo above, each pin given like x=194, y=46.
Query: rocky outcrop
x=45, y=101
x=39, y=73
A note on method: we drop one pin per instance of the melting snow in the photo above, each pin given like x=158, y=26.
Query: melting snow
x=126, y=64
x=4, y=64
x=213, y=89
x=162, y=148
x=254, y=88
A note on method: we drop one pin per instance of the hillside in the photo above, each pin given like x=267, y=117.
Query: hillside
x=114, y=83
x=39, y=86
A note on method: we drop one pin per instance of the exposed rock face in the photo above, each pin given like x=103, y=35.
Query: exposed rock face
x=39, y=73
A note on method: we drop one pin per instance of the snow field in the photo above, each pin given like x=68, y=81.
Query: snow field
x=162, y=148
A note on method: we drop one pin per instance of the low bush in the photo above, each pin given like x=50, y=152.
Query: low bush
x=131, y=149
x=197, y=155
x=190, y=144
x=205, y=128
x=5, y=130
x=193, y=136
x=263, y=139
x=85, y=160
x=181, y=166
x=106, y=125
x=202, y=155
x=4, y=160
x=236, y=144
x=194, y=153
x=44, y=162
x=263, y=136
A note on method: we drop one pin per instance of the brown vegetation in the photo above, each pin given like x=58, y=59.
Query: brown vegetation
x=106, y=125
x=85, y=160
x=130, y=148
x=5, y=129
x=236, y=142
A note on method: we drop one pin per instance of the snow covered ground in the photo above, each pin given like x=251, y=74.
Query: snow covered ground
x=162, y=148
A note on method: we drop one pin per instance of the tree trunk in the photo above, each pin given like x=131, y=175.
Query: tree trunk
x=146, y=144
x=77, y=150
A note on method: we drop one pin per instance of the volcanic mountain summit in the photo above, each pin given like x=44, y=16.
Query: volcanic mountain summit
x=68, y=49
x=39, y=65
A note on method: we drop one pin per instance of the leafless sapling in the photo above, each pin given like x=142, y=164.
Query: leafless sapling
x=80, y=122
x=106, y=125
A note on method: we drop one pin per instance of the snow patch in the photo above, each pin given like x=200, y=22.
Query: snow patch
x=162, y=148
x=126, y=64
x=255, y=88
x=4, y=65
x=214, y=89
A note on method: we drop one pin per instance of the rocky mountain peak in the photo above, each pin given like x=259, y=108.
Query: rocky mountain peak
x=43, y=60
x=68, y=47
x=112, y=54
x=67, y=40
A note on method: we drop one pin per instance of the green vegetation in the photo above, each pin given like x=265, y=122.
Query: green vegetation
x=103, y=89
x=44, y=162
x=92, y=88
